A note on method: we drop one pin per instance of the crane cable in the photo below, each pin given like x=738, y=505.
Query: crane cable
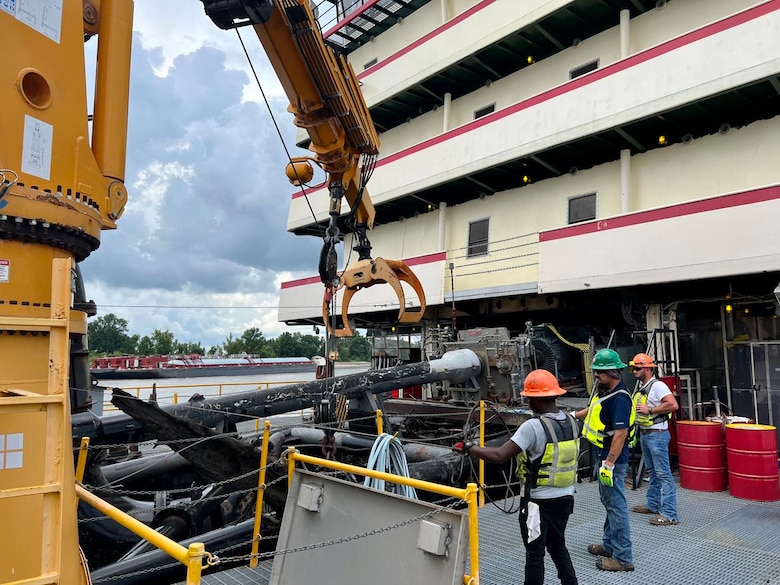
x=388, y=455
x=278, y=131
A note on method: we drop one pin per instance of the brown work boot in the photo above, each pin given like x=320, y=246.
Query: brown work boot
x=598, y=550
x=661, y=521
x=642, y=509
x=611, y=564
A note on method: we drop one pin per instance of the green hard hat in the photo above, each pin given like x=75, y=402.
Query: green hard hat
x=607, y=359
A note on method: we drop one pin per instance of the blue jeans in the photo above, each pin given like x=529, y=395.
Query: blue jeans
x=617, y=532
x=662, y=493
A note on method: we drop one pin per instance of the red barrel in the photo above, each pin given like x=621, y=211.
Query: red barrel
x=751, y=451
x=702, y=455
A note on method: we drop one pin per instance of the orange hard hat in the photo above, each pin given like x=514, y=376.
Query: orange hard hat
x=541, y=384
x=642, y=360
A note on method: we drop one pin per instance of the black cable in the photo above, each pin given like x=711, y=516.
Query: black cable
x=278, y=131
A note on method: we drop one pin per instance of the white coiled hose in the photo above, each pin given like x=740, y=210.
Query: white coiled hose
x=388, y=455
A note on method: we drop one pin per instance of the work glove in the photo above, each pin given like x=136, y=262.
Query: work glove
x=605, y=474
x=462, y=447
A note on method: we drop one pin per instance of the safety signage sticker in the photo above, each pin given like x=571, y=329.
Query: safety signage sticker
x=36, y=147
x=45, y=16
x=12, y=451
x=5, y=270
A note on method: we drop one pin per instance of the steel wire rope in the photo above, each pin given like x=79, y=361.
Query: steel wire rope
x=467, y=430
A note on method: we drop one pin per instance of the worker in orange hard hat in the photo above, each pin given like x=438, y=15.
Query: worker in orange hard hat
x=546, y=447
x=654, y=404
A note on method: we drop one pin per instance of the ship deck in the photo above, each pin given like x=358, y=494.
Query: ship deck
x=721, y=540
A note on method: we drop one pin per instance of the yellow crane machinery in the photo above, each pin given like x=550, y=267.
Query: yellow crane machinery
x=326, y=101
x=62, y=184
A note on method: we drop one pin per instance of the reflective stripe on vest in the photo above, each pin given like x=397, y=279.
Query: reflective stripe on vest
x=593, y=428
x=557, y=466
x=640, y=397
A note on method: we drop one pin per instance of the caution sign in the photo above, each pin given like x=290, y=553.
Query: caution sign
x=5, y=270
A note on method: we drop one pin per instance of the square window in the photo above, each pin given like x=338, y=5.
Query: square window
x=15, y=442
x=478, y=238
x=13, y=460
x=582, y=208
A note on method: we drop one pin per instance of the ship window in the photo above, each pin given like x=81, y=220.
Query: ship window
x=583, y=69
x=582, y=208
x=478, y=238
x=484, y=111
x=370, y=63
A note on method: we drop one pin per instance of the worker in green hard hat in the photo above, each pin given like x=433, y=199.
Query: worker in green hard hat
x=608, y=419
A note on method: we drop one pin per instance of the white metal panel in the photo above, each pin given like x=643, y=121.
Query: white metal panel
x=382, y=534
x=731, y=235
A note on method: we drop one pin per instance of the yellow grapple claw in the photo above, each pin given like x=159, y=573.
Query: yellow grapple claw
x=366, y=273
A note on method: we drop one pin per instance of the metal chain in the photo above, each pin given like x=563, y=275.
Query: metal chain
x=335, y=541
x=206, y=499
x=122, y=492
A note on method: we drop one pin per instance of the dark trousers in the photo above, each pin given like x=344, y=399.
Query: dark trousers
x=553, y=517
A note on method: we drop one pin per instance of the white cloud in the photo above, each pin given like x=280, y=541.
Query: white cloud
x=205, y=225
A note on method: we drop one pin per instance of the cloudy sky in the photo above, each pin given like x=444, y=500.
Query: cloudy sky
x=205, y=225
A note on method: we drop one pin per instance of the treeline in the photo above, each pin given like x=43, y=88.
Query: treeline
x=108, y=335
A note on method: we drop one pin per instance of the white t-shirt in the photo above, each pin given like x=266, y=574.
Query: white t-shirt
x=654, y=398
x=531, y=438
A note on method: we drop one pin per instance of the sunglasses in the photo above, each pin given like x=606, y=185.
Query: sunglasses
x=636, y=369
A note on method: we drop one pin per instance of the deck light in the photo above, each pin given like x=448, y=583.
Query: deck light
x=662, y=140
x=729, y=308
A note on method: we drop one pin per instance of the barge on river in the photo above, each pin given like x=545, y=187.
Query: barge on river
x=194, y=366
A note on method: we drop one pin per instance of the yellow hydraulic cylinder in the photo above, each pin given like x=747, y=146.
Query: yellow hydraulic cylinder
x=112, y=87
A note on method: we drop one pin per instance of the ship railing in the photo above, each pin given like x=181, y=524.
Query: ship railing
x=192, y=557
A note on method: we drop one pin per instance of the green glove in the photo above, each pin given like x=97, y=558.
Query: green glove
x=605, y=474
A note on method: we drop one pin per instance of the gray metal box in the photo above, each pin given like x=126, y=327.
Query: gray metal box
x=372, y=537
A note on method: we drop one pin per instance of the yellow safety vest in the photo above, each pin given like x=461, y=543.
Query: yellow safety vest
x=640, y=397
x=593, y=428
x=557, y=467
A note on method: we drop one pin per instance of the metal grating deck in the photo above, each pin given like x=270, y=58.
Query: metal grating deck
x=720, y=541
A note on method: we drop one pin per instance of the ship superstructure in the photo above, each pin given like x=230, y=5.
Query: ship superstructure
x=607, y=166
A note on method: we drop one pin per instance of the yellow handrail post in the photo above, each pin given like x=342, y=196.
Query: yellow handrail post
x=471, y=498
x=176, y=398
x=481, y=444
x=195, y=553
x=82, y=462
x=379, y=426
x=260, y=493
x=291, y=452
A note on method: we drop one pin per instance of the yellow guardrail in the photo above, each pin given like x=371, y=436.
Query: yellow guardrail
x=191, y=557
